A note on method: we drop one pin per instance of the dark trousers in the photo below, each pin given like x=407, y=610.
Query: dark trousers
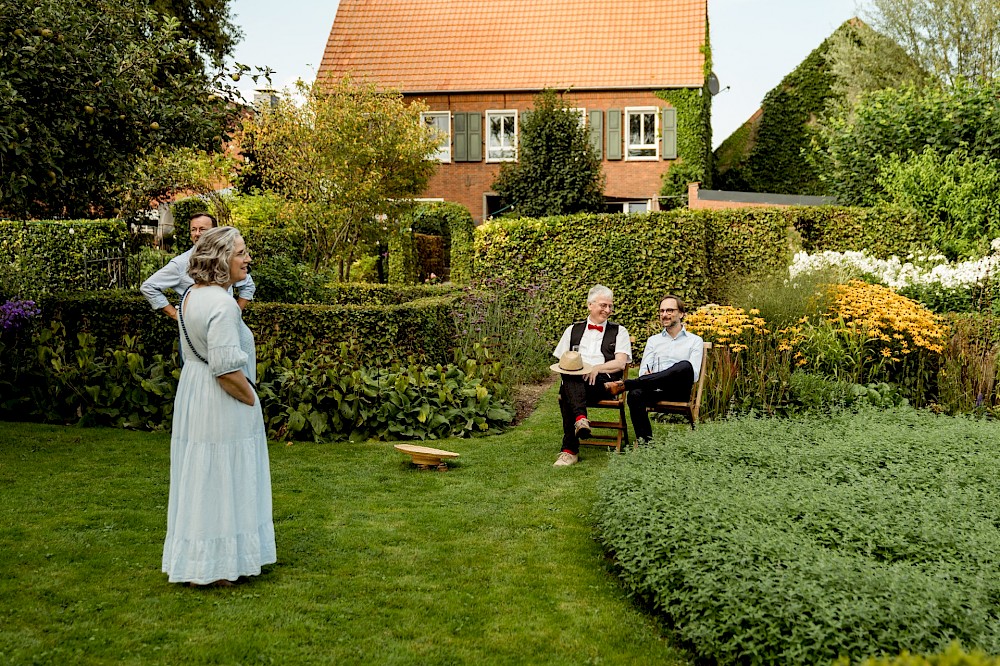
x=672, y=384
x=574, y=394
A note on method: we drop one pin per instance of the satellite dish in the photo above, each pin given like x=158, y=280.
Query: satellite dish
x=713, y=84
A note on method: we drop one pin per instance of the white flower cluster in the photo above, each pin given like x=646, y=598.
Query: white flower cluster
x=899, y=273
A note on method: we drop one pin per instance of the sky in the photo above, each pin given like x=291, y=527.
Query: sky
x=755, y=44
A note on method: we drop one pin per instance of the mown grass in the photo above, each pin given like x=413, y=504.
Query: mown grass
x=492, y=562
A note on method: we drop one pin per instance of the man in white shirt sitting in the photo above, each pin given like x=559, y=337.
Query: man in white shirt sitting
x=606, y=351
x=174, y=275
x=670, y=366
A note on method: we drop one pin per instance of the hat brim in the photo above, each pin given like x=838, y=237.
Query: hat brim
x=586, y=370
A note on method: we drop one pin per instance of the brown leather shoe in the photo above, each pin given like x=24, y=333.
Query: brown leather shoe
x=614, y=388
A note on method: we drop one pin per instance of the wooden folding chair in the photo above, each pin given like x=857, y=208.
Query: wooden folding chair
x=618, y=428
x=693, y=405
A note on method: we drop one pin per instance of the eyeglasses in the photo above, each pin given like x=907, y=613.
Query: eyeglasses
x=668, y=310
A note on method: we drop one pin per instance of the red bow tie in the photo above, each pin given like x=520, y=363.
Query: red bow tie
x=591, y=327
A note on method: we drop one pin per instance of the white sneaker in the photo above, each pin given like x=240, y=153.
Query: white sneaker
x=566, y=459
x=582, y=428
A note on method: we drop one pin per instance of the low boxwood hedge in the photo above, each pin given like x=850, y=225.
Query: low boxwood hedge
x=388, y=329
x=796, y=542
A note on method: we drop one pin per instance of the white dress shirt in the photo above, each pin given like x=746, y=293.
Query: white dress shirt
x=175, y=276
x=590, y=344
x=663, y=351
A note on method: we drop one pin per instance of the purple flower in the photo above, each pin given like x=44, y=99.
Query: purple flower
x=14, y=313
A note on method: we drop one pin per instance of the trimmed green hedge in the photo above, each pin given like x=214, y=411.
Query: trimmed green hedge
x=695, y=254
x=392, y=331
x=641, y=257
x=454, y=223
x=880, y=232
x=47, y=256
x=770, y=541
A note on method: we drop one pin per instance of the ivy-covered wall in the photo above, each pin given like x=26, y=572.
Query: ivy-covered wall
x=765, y=154
x=694, y=138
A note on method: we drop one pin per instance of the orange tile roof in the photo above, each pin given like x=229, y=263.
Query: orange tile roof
x=422, y=46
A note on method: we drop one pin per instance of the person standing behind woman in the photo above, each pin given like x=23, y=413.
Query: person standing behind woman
x=219, y=521
x=174, y=275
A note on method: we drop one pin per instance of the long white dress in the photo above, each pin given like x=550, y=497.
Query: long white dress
x=219, y=521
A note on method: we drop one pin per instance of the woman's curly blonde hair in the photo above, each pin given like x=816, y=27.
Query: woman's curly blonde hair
x=209, y=262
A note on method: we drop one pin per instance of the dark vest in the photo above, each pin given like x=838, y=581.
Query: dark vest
x=607, y=344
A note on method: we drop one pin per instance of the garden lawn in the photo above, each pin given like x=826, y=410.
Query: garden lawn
x=493, y=561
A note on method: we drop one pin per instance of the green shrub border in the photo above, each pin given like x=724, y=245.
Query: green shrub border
x=384, y=332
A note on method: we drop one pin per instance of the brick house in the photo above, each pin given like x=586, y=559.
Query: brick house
x=478, y=65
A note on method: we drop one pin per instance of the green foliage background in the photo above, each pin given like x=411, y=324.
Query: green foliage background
x=47, y=256
x=694, y=141
x=641, y=257
x=902, y=121
x=695, y=254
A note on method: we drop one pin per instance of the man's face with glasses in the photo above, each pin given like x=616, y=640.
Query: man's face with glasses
x=670, y=315
x=600, y=309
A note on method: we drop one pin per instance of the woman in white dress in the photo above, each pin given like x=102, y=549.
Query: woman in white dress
x=219, y=524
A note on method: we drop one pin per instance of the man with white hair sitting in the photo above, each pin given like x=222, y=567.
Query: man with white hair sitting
x=591, y=353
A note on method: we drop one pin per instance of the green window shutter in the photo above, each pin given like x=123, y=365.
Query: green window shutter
x=460, y=131
x=474, y=126
x=596, y=126
x=614, y=134
x=669, y=134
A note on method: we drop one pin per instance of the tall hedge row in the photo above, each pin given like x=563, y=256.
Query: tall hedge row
x=695, y=254
x=48, y=256
x=641, y=257
x=881, y=232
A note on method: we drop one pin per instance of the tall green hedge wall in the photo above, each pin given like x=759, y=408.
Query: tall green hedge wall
x=48, y=256
x=640, y=257
x=454, y=222
x=880, y=232
x=695, y=254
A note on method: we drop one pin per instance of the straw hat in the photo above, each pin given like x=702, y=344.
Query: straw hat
x=571, y=363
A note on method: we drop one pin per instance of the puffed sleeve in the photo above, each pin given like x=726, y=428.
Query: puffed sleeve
x=224, y=352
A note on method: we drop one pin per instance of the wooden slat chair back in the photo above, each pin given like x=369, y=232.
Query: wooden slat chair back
x=693, y=405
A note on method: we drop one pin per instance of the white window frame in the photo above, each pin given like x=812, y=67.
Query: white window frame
x=443, y=153
x=655, y=146
x=582, y=112
x=490, y=148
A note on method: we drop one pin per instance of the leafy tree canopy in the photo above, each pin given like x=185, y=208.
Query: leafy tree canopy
x=207, y=22
x=862, y=60
x=350, y=157
x=87, y=87
x=557, y=171
x=951, y=39
x=903, y=121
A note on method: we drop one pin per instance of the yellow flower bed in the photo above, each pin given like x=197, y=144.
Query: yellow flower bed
x=879, y=313
x=726, y=325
